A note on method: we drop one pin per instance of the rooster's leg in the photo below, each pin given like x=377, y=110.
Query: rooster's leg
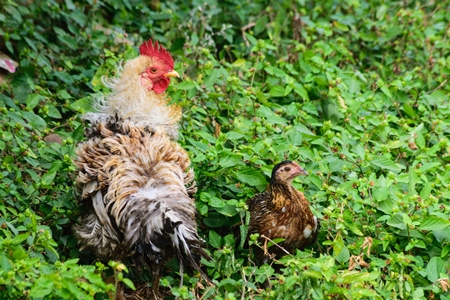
x=156, y=272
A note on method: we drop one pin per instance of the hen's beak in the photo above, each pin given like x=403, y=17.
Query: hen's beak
x=303, y=171
x=300, y=170
x=172, y=73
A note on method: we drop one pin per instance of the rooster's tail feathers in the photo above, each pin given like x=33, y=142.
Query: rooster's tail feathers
x=167, y=228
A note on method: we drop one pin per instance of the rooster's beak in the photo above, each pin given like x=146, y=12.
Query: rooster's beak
x=172, y=73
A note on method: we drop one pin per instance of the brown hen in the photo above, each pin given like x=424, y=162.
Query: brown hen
x=134, y=179
x=283, y=212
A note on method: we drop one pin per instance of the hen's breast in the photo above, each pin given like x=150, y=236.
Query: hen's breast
x=286, y=216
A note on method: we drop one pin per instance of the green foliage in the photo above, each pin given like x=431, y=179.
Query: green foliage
x=357, y=92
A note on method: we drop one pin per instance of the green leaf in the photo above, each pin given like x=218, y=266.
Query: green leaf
x=15, y=13
x=93, y=277
x=435, y=267
x=8, y=101
x=420, y=141
x=34, y=120
x=63, y=94
x=19, y=253
x=230, y=161
x=343, y=256
x=349, y=223
x=380, y=193
x=209, y=137
x=300, y=90
x=262, y=98
x=351, y=277
x=445, y=250
x=338, y=247
x=261, y=24
x=318, y=60
x=442, y=235
x=413, y=179
x=33, y=100
x=83, y=105
x=214, y=220
x=385, y=163
x=316, y=180
x=65, y=38
x=79, y=17
x=5, y=264
x=202, y=208
x=243, y=230
x=277, y=72
x=426, y=191
x=275, y=241
x=211, y=79
x=409, y=110
x=227, y=210
x=250, y=176
x=433, y=223
x=42, y=287
x=430, y=166
x=217, y=203
x=303, y=129
x=397, y=221
x=340, y=26
x=277, y=91
x=186, y=85
x=215, y=239
x=234, y=135
x=77, y=135
x=48, y=177
x=395, y=144
x=239, y=63
x=386, y=91
x=20, y=238
x=251, y=39
x=53, y=112
x=381, y=11
x=129, y=283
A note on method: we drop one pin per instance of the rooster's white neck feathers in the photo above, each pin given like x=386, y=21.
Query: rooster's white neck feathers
x=131, y=100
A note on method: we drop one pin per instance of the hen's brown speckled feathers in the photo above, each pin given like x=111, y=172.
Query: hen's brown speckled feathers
x=283, y=212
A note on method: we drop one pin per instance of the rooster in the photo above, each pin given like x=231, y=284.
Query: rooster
x=134, y=179
x=282, y=212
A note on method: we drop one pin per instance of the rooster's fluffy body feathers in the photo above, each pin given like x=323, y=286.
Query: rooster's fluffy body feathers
x=134, y=179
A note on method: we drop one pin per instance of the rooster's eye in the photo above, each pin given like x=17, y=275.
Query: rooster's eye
x=153, y=70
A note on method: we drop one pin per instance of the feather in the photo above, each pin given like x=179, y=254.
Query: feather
x=134, y=181
x=283, y=212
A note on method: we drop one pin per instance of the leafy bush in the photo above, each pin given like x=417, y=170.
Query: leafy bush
x=357, y=92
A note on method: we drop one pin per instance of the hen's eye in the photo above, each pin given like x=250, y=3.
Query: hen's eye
x=288, y=169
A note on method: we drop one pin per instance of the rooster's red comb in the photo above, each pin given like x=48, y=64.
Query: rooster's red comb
x=148, y=49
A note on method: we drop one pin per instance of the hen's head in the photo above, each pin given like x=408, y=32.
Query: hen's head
x=286, y=171
x=155, y=65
